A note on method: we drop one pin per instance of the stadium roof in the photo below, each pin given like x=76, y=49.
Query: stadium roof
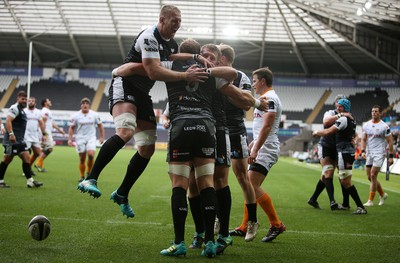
x=347, y=38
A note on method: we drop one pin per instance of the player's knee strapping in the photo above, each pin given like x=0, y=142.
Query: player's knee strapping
x=345, y=173
x=126, y=121
x=147, y=137
x=179, y=169
x=328, y=167
x=205, y=169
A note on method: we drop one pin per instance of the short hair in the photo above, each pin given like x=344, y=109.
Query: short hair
x=44, y=101
x=228, y=52
x=189, y=46
x=264, y=73
x=167, y=10
x=377, y=107
x=21, y=93
x=214, y=48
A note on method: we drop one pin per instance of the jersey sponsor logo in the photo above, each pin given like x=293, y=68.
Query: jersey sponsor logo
x=201, y=128
x=207, y=151
x=187, y=98
x=176, y=153
x=150, y=49
x=192, y=87
x=256, y=115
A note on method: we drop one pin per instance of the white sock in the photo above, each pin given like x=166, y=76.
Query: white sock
x=30, y=180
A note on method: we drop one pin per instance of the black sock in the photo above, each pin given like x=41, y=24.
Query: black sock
x=224, y=201
x=209, y=204
x=354, y=194
x=26, y=167
x=318, y=190
x=107, y=152
x=179, y=209
x=330, y=189
x=3, y=168
x=135, y=168
x=346, y=197
x=195, y=209
x=252, y=210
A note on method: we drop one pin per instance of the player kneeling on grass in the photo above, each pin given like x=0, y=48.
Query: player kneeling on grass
x=345, y=128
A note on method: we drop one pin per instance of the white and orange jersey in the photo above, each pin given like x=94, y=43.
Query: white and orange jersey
x=274, y=105
x=46, y=114
x=85, y=124
x=376, y=136
x=32, y=126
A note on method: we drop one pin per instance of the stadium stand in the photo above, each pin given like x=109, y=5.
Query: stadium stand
x=64, y=96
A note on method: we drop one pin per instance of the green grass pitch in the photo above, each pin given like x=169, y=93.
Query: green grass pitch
x=93, y=230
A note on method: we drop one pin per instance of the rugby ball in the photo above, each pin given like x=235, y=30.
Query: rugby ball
x=39, y=227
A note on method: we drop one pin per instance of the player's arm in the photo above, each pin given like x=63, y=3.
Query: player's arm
x=55, y=126
x=325, y=132
x=129, y=69
x=2, y=128
x=134, y=68
x=9, y=128
x=242, y=99
x=155, y=71
x=188, y=56
x=101, y=131
x=268, y=122
x=71, y=130
x=363, y=145
x=42, y=127
x=389, y=140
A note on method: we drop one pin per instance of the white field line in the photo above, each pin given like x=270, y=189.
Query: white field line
x=318, y=168
x=191, y=227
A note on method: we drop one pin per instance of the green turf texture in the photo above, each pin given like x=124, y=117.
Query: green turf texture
x=93, y=230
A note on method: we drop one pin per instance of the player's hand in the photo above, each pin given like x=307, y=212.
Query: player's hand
x=315, y=133
x=205, y=62
x=263, y=104
x=12, y=138
x=390, y=162
x=252, y=158
x=364, y=155
x=70, y=143
x=196, y=74
x=101, y=141
x=166, y=124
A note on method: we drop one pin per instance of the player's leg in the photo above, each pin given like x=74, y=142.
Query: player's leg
x=124, y=111
x=25, y=157
x=240, y=152
x=345, y=164
x=320, y=186
x=204, y=169
x=195, y=209
x=7, y=159
x=266, y=158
